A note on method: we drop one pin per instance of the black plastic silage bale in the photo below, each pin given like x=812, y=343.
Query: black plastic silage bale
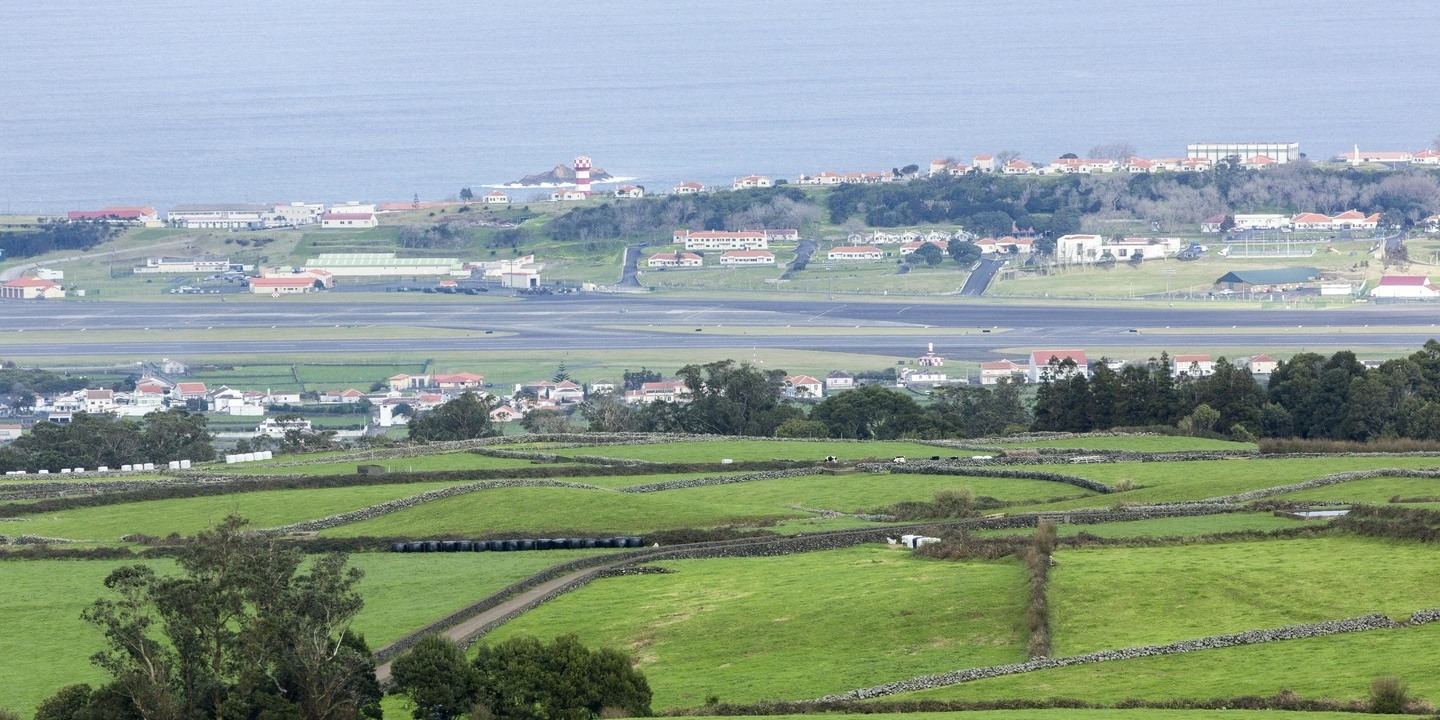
x=573, y=543
x=432, y=546
x=462, y=546
x=526, y=544
x=397, y=547
x=479, y=546
x=447, y=546
x=508, y=545
x=588, y=543
x=544, y=544
x=415, y=547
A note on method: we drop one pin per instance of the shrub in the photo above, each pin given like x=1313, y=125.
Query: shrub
x=1389, y=695
x=1288, y=446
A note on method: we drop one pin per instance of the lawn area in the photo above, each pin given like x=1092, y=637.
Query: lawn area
x=795, y=626
x=1137, y=443
x=554, y=510
x=1121, y=597
x=1339, y=666
x=424, y=463
x=188, y=515
x=1201, y=479
x=1066, y=714
x=741, y=450
x=43, y=600
x=1376, y=491
x=1166, y=527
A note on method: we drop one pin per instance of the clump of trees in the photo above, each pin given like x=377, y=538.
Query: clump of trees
x=464, y=418
x=90, y=441
x=51, y=235
x=520, y=678
x=247, y=629
x=778, y=207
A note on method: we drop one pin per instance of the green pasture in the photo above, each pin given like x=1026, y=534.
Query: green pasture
x=1338, y=667
x=1104, y=714
x=710, y=451
x=423, y=463
x=1121, y=597
x=762, y=502
x=1377, y=491
x=795, y=626
x=1201, y=479
x=1137, y=443
x=187, y=516
x=1166, y=527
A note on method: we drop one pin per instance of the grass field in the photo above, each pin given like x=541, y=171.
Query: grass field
x=43, y=600
x=1377, y=491
x=794, y=626
x=1339, y=667
x=1138, y=443
x=740, y=450
x=1167, y=527
x=424, y=463
x=1120, y=597
x=551, y=510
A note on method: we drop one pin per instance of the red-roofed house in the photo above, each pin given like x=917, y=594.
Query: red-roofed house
x=630, y=191
x=142, y=215
x=1259, y=162
x=991, y=373
x=803, y=386
x=1426, y=157
x=1356, y=220
x=675, y=260
x=505, y=413
x=752, y=181
x=689, y=187
x=747, y=257
x=287, y=285
x=1046, y=365
x=348, y=220
x=1212, y=224
x=983, y=163
x=855, y=252
x=1262, y=364
x=667, y=390
x=459, y=381
x=911, y=247
x=1018, y=167
x=1405, y=286
x=31, y=288
x=1192, y=365
x=1311, y=221
x=189, y=391
x=567, y=391
x=495, y=197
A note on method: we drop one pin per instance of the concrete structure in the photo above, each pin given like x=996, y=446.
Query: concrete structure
x=1260, y=221
x=1042, y=369
x=930, y=359
x=1194, y=366
x=839, y=380
x=295, y=214
x=991, y=373
x=130, y=214
x=1410, y=287
x=722, y=240
x=348, y=221
x=383, y=265
x=288, y=285
x=1215, y=152
x=182, y=265
x=1071, y=249
x=855, y=252
x=223, y=216
x=31, y=288
x=675, y=260
x=747, y=257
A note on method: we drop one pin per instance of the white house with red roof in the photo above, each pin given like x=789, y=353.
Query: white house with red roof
x=345, y=397
x=495, y=197
x=1018, y=167
x=722, y=240
x=803, y=386
x=751, y=182
x=189, y=391
x=747, y=257
x=567, y=391
x=98, y=401
x=1007, y=244
x=630, y=191
x=135, y=214
x=569, y=195
x=1078, y=248
x=675, y=260
x=458, y=381
x=348, y=220
x=31, y=288
x=286, y=285
x=855, y=252
x=1412, y=287
x=1259, y=162
x=1194, y=366
x=910, y=247
x=689, y=187
x=10, y=432
x=1430, y=224
x=983, y=163
x=1426, y=157
x=666, y=390
x=1046, y=365
x=505, y=413
x=1261, y=364
x=992, y=372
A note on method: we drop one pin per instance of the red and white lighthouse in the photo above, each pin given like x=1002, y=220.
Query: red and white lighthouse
x=582, y=174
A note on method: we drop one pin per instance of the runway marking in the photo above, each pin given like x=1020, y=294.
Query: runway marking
x=813, y=318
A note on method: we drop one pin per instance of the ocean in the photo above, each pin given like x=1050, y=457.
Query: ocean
x=171, y=101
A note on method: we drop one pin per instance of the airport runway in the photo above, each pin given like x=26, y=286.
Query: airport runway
x=590, y=323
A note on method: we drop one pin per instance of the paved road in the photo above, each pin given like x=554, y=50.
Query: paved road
x=16, y=271
x=980, y=277
x=803, y=251
x=631, y=268
x=602, y=322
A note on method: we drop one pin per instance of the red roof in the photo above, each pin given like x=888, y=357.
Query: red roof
x=282, y=282
x=1042, y=357
x=32, y=282
x=1263, y=358
x=1393, y=280
x=856, y=249
x=1000, y=365
x=1192, y=359
x=1310, y=218
x=747, y=253
x=190, y=388
x=122, y=213
x=1351, y=215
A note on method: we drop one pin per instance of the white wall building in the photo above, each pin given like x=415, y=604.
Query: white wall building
x=1215, y=152
x=855, y=252
x=747, y=257
x=1070, y=249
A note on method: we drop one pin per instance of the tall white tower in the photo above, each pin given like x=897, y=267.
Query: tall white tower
x=582, y=174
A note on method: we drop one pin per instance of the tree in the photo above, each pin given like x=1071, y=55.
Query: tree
x=561, y=374
x=729, y=398
x=802, y=428
x=963, y=252
x=1113, y=151
x=436, y=678
x=464, y=418
x=524, y=679
x=466, y=194
x=991, y=223
x=869, y=413
x=241, y=632
x=546, y=422
x=929, y=253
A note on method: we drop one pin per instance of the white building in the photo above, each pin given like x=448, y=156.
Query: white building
x=855, y=252
x=1215, y=152
x=1145, y=248
x=747, y=257
x=689, y=187
x=1261, y=364
x=1042, y=369
x=722, y=240
x=1413, y=287
x=1071, y=249
x=495, y=197
x=348, y=221
x=1007, y=244
x=991, y=373
x=839, y=380
x=383, y=264
x=288, y=285
x=225, y=216
x=630, y=191
x=1195, y=366
x=295, y=214
x=182, y=265
x=751, y=182
x=803, y=386
x=675, y=260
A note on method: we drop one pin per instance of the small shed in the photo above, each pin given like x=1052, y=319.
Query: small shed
x=1250, y=280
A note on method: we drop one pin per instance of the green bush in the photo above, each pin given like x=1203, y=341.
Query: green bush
x=1389, y=695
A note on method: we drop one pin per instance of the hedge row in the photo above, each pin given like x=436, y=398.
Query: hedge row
x=1251, y=637
x=1334, y=479
x=721, y=480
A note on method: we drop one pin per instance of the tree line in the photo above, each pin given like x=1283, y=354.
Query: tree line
x=97, y=440
x=51, y=235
